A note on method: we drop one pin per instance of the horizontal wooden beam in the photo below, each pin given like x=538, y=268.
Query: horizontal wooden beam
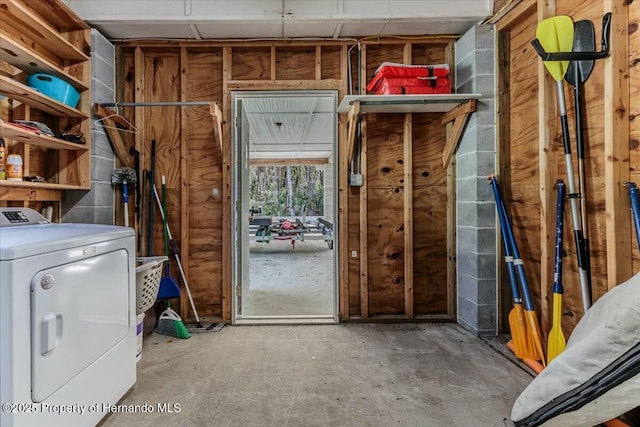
x=207, y=44
x=327, y=84
x=459, y=116
x=288, y=162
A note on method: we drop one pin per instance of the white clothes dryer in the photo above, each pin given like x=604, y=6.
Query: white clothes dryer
x=67, y=320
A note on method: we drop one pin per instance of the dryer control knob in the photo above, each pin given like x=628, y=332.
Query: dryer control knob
x=47, y=281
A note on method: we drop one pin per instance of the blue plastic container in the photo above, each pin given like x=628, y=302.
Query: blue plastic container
x=55, y=88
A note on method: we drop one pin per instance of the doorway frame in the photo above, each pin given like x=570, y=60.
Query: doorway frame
x=237, y=228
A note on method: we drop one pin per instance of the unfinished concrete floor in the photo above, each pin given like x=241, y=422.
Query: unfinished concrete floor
x=290, y=282
x=324, y=375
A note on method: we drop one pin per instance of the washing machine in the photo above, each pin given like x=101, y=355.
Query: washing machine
x=67, y=320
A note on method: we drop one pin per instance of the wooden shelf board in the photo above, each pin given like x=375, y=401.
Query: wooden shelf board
x=15, y=54
x=15, y=90
x=39, y=185
x=59, y=14
x=440, y=103
x=43, y=33
x=12, y=132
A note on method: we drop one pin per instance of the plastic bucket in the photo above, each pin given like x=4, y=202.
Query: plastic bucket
x=55, y=88
x=139, y=335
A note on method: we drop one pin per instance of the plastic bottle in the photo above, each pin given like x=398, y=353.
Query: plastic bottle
x=3, y=160
x=14, y=167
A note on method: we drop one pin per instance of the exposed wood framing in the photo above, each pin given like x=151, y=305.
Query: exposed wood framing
x=288, y=162
x=503, y=162
x=227, y=292
x=272, y=71
x=139, y=122
x=184, y=173
x=327, y=84
x=352, y=121
x=110, y=120
x=31, y=194
x=364, y=201
x=451, y=202
x=216, y=115
x=318, y=72
x=408, y=202
x=459, y=116
x=616, y=146
x=343, y=198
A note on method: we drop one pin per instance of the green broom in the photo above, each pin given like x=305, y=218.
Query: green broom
x=170, y=322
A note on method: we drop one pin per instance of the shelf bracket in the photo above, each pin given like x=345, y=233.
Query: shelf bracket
x=352, y=119
x=216, y=115
x=459, y=116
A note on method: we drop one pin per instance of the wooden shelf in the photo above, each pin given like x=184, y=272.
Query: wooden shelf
x=15, y=90
x=17, y=134
x=59, y=14
x=40, y=31
x=440, y=103
x=29, y=61
x=40, y=185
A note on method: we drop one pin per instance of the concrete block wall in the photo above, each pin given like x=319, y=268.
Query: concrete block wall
x=97, y=205
x=475, y=207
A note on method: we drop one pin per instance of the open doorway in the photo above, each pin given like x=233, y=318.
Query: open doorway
x=284, y=170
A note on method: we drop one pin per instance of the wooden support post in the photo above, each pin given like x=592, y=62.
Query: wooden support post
x=408, y=216
x=616, y=146
x=503, y=167
x=452, y=278
x=364, y=199
x=318, y=62
x=343, y=199
x=408, y=201
x=185, y=127
x=273, y=63
x=227, y=250
x=459, y=116
x=139, y=141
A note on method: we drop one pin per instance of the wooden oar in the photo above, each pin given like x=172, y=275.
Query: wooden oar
x=521, y=345
x=556, y=35
x=556, y=342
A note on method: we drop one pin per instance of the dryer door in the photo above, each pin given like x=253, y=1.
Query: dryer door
x=79, y=311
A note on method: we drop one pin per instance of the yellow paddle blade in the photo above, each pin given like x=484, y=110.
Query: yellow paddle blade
x=521, y=347
x=556, y=342
x=533, y=335
x=556, y=35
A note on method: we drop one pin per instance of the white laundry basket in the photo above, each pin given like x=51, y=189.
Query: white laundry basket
x=148, y=275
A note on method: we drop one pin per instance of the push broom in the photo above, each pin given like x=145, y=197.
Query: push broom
x=169, y=322
x=198, y=327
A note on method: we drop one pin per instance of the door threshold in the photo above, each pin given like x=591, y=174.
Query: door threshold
x=285, y=320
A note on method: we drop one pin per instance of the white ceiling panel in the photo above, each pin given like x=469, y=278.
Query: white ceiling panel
x=126, y=30
x=315, y=8
x=239, y=30
x=298, y=29
x=243, y=10
x=244, y=19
